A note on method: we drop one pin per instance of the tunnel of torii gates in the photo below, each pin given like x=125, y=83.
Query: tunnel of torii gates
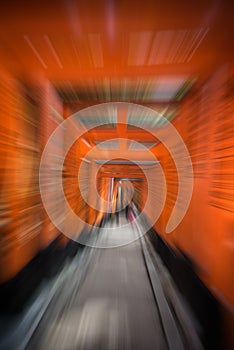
x=65, y=58
x=204, y=234
x=110, y=171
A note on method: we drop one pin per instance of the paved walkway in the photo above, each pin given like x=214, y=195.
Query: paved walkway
x=113, y=308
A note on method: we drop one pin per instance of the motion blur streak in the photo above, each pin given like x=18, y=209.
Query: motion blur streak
x=116, y=175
